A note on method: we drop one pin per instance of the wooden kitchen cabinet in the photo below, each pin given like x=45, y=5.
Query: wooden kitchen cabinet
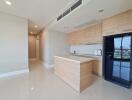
x=88, y=35
x=77, y=72
x=109, y=26
x=93, y=34
x=125, y=22
x=76, y=38
x=121, y=23
x=118, y=24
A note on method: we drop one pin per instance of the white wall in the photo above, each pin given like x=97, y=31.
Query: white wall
x=58, y=44
x=13, y=43
x=42, y=45
x=54, y=43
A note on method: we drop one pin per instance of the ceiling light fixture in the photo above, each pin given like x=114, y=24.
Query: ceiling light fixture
x=31, y=32
x=8, y=2
x=36, y=26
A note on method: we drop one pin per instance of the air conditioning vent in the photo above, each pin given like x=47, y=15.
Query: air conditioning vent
x=59, y=17
x=66, y=12
x=77, y=4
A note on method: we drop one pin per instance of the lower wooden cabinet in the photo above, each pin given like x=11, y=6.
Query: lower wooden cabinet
x=78, y=75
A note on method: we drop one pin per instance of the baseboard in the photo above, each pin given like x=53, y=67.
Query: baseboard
x=48, y=66
x=32, y=59
x=14, y=73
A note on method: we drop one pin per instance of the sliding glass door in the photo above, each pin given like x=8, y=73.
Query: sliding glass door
x=121, y=59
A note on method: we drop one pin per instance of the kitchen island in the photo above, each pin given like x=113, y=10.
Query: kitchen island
x=75, y=71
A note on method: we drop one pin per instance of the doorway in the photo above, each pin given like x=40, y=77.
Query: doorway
x=33, y=47
x=117, y=59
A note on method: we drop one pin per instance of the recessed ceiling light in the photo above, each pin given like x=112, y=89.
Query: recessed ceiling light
x=31, y=32
x=8, y=2
x=36, y=26
x=32, y=89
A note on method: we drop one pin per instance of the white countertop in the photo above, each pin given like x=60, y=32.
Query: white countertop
x=76, y=58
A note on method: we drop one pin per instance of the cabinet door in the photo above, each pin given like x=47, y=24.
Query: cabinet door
x=77, y=37
x=89, y=35
x=125, y=22
x=97, y=37
x=109, y=26
x=71, y=39
x=86, y=36
x=121, y=23
x=94, y=34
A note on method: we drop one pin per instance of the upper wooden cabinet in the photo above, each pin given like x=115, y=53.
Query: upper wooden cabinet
x=125, y=22
x=86, y=36
x=118, y=24
x=109, y=26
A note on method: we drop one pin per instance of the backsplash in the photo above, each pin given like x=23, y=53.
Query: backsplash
x=86, y=49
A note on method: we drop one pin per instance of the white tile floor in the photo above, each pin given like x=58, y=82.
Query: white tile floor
x=41, y=84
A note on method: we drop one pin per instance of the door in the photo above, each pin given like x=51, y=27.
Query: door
x=121, y=60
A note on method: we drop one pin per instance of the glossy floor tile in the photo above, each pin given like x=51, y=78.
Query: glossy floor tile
x=42, y=84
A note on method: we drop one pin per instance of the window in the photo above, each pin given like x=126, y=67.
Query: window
x=126, y=47
x=122, y=47
x=117, y=47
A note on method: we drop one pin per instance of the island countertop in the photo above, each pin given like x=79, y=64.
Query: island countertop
x=75, y=70
x=76, y=58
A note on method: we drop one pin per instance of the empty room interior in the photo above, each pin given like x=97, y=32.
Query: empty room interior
x=65, y=49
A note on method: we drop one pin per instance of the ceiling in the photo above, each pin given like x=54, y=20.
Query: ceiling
x=39, y=12
x=42, y=12
x=34, y=27
x=88, y=14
